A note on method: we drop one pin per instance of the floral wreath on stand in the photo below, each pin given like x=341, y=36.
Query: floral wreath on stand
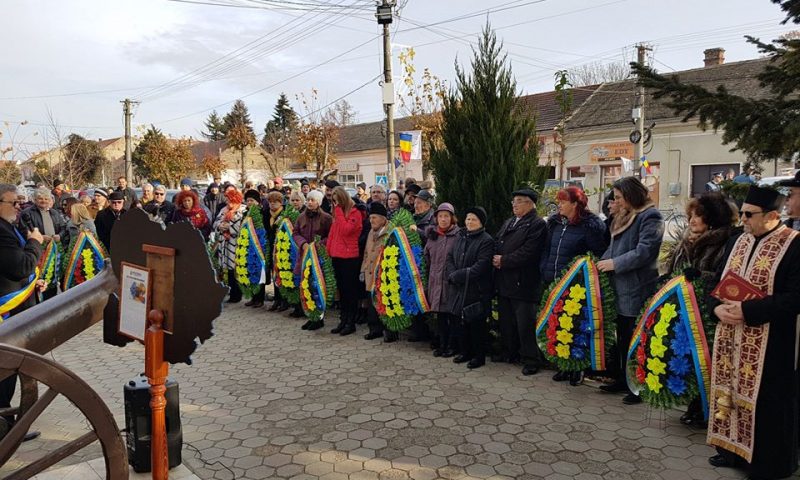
x=318, y=283
x=576, y=323
x=285, y=257
x=50, y=264
x=85, y=258
x=399, y=279
x=669, y=360
x=251, y=259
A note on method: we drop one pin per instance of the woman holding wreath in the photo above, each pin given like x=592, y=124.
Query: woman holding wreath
x=636, y=235
x=571, y=232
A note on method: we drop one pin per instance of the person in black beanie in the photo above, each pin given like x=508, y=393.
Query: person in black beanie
x=327, y=205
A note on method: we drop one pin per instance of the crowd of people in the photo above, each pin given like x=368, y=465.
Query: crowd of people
x=471, y=273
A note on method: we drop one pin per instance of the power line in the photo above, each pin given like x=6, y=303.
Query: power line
x=335, y=57
x=343, y=96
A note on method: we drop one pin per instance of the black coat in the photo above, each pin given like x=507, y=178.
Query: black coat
x=31, y=218
x=163, y=210
x=18, y=259
x=565, y=241
x=104, y=222
x=130, y=197
x=214, y=202
x=470, y=257
x=521, y=249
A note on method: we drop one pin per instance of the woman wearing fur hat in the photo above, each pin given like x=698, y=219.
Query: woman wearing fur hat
x=469, y=279
x=701, y=252
x=441, y=240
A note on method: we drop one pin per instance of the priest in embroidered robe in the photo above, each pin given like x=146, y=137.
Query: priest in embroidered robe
x=754, y=388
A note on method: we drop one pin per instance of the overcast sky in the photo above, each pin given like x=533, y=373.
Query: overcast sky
x=76, y=60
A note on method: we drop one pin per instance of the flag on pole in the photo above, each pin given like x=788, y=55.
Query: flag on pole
x=646, y=166
x=410, y=145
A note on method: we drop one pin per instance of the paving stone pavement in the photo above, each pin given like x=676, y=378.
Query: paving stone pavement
x=265, y=399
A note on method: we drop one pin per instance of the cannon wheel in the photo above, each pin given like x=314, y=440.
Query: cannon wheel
x=60, y=381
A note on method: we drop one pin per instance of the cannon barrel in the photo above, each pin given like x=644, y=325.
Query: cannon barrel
x=46, y=326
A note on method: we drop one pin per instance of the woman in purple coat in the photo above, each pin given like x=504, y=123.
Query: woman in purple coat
x=440, y=241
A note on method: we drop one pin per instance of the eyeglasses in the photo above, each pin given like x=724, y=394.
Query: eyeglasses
x=159, y=194
x=742, y=213
x=16, y=203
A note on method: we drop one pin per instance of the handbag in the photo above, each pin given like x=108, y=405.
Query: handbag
x=473, y=311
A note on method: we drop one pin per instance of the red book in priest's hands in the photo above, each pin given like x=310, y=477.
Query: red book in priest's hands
x=734, y=287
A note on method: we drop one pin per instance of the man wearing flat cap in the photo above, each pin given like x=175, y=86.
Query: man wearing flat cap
x=327, y=204
x=793, y=201
x=753, y=397
x=107, y=217
x=518, y=250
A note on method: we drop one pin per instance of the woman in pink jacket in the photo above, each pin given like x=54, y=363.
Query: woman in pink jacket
x=343, y=248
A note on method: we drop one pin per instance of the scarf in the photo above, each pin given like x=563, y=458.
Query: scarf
x=196, y=215
x=624, y=218
x=233, y=208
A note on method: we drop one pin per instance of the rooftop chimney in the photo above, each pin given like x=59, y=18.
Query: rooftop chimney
x=714, y=56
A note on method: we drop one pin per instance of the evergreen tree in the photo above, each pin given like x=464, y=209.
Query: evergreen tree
x=152, y=137
x=82, y=160
x=239, y=115
x=279, y=130
x=763, y=128
x=215, y=127
x=485, y=136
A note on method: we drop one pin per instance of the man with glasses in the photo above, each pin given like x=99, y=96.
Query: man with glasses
x=753, y=397
x=516, y=261
x=378, y=194
x=108, y=217
x=160, y=209
x=18, y=258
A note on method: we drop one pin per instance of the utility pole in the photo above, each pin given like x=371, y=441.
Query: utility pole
x=638, y=114
x=384, y=16
x=126, y=110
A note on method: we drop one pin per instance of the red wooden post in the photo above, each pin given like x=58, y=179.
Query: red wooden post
x=157, y=370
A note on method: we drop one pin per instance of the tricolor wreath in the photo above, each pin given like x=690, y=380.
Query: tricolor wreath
x=85, y=258
x=576, y=323
x=669, y=359
x=286, y=254
x=50, y=264
x=251, y=257
x=318, y=283
x=399, y=278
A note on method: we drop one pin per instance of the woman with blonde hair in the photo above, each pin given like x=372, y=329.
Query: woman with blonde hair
x=298, y=200
x=80, y=221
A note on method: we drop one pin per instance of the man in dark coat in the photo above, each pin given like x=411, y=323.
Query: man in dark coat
x=128, y=195
x=49, y=221
x=59, y=193
x=327, y=205
x=753, y=392
x=160, y=207
x=108, y=217
x=18, y=259
x=793, y=201
x=214, y=200
x=519, y=244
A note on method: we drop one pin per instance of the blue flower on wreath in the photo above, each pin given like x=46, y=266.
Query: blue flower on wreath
x=578, y=353
x=680, y=343
x=581, y=340
x=679, y=365
x=676, y=385
x=586, y=325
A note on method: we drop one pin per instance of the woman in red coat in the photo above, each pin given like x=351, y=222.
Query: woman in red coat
x=343, y=248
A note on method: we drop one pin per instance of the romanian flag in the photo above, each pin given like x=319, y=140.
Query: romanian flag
x=646, y=166
x=406, y=141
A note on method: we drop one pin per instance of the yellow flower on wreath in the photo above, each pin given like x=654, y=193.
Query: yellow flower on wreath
x=668, y=312
x=565, y=321
x=656, y=366
x=562, y=350
x=653, y=382
x=564, y=336
x=572, y=307
x=657, y=347
x=660, y=330
x=577, y=292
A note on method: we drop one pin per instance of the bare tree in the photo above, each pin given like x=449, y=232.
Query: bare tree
x=340, y=114
x=597, y=72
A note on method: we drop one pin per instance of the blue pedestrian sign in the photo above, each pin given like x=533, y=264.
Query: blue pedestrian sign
x=382, y=179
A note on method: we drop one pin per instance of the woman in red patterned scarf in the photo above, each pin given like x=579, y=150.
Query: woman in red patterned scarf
x=189, y=210
x=226, y=228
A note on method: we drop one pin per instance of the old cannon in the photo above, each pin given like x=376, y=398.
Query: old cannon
x=24, y=339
